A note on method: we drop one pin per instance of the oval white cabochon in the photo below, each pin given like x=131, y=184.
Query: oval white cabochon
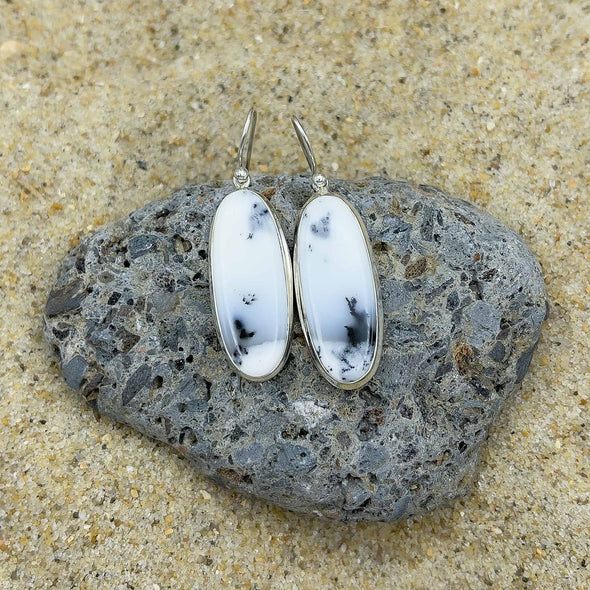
x=337, y=289
x=249, y=284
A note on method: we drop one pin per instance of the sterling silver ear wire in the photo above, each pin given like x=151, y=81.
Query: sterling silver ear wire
x=251, y=275
x=241, y=176
x=319, y=182
x=336, y=283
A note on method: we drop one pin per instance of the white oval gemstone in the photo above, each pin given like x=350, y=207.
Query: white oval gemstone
x=250, y=283
x=338, y=293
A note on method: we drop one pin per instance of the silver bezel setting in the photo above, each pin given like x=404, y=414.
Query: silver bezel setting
x=288, y=272
x=378, y=304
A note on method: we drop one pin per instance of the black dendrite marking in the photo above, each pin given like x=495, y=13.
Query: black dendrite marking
x=258, y=218
x=239, y=351
x=249, y=298
x=347, y=365
x=243, y=333
x=358, y=331
x=321, y=229
x=237, y=356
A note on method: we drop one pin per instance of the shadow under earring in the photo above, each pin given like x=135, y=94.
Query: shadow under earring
x=251, y=276
x=336, y=284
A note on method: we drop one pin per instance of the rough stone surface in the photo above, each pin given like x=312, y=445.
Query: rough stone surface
x=463, y=300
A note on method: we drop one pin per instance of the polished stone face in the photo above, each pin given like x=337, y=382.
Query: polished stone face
x=338, y=292
x=250, y=284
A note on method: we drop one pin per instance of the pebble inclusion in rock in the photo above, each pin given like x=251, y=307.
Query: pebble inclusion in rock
x=463, y=305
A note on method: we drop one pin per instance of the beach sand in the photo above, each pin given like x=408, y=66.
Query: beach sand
x=105, y=106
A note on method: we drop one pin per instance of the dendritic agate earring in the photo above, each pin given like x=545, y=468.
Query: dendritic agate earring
x=336, y=284
x=250, y=275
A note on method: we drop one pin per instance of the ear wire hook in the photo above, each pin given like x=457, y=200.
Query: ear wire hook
x=242, y=175
x=318, y=181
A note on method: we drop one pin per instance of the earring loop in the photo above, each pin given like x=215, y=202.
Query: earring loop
x=242, y=174
x=318, y=181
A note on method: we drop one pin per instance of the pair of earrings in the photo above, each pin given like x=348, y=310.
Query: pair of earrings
x=252, y=277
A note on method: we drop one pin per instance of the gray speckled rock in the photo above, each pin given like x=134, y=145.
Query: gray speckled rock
x=463, y=300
